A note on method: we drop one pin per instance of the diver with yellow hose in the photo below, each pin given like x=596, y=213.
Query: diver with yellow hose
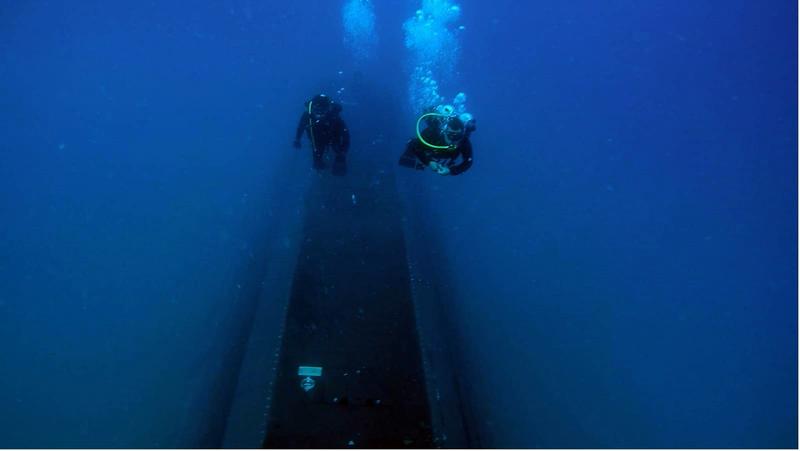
x=441, y=143
x=325, y=128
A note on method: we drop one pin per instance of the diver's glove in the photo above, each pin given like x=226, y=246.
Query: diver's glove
x=296, y=144
x=439, y=168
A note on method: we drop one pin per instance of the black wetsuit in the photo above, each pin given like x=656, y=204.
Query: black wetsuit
x=328, y=131
x=418, y=155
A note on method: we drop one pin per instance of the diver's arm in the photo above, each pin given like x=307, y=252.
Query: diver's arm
x=301, y=126
x=466, y=158
x=416, y=148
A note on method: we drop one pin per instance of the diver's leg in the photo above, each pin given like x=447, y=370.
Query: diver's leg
x=317, y=162
x=340, y=163
x=322, y=145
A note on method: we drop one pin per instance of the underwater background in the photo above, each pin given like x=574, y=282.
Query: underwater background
x=620, y=263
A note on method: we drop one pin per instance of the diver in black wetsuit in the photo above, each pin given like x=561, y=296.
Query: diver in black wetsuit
x=325, y=128
x=444, y=140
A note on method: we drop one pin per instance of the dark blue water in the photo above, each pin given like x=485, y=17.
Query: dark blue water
x=622, y=257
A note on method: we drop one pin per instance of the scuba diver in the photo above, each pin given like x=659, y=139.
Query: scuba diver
x=444, y=139
x=325, y=128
